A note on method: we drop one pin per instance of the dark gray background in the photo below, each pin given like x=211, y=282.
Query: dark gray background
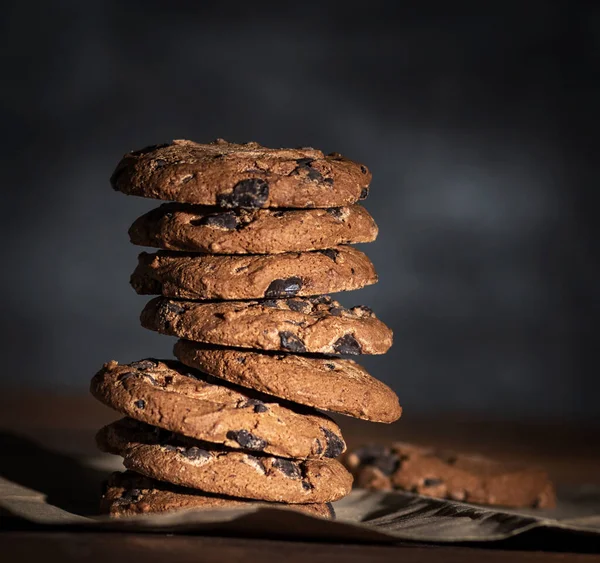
x=476, y=122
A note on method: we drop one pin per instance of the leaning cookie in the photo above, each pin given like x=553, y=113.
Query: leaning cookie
x=230, y=175
x=450, y=475
x=131, y=494
x=199, y=465
x=206, y=276
x=175, y=397
x=192, y=228
x=328, y=383
x=302, y=325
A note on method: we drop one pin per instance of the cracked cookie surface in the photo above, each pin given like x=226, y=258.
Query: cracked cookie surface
x=193, y=228
x=199, y=465
x=181, y=399
x=129, y=494
x=328, y=383
x=206, y=276
x=301, y=325
x=231, y=175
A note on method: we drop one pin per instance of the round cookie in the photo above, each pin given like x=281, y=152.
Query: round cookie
x=199, y=465
x=304, y=325
x=451, y=475
x=175, y=397
x=331, y=384
x=191, y=228
x=130, y=494
x=231, y=175
x=206, y=276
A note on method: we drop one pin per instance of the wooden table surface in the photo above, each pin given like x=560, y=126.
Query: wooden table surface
x=67, y=424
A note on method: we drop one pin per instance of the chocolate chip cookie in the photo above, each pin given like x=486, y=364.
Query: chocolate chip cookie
x=175, y=397
x=193, y=228
x=230, y=175
x=327, y=383
x=312, y=325
x=206, y=276
x=130, y=494
x=450, y=475
x=191, y=463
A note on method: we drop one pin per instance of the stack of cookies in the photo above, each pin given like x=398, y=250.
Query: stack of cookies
x=251, y=243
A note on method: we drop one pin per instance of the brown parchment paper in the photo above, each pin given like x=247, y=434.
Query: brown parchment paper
x=363, y=516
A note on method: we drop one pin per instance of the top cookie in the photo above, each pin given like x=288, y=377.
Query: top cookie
x=230, y=175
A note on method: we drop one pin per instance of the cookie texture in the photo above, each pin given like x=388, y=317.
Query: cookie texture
x=193, y=228
x=206, y=276
x=191, y=463
x=175, y=397
x=301, y=325
x=249, y=175
x=327, y=383
x=130, y=494
x=450, y=475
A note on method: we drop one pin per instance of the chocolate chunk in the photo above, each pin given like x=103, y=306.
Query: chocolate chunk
x=321, y=300
x=330, y=366
x=194, y=453
x=148, y=149
x=132, y=495
x=170, y=448
x=335, y=445
x=271, y=303
x=288, y=468
x=140, y=404
x=331, y=253
x=314, y=175
x=319, y=448
x=363, y=169
x=247, y=440
x=364, y=310
x=174, y=307
x=336, y=212
x=336, y=311
x=241, y=359
x=160, y=162
x=227, y=221
x=252, y=192
x=432, y=482
x=291, y=342
x=387, y=463
x=125, y=376
x=297, y=305
x=304, y=164
x=259, y=406
x=347, y=344
x=367, y=454
x=328, y=181
x=364, y=193
x=287, y=287
x=307, y=486
x=144, y=364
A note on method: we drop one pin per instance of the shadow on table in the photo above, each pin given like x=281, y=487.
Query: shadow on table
x=65, y=481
